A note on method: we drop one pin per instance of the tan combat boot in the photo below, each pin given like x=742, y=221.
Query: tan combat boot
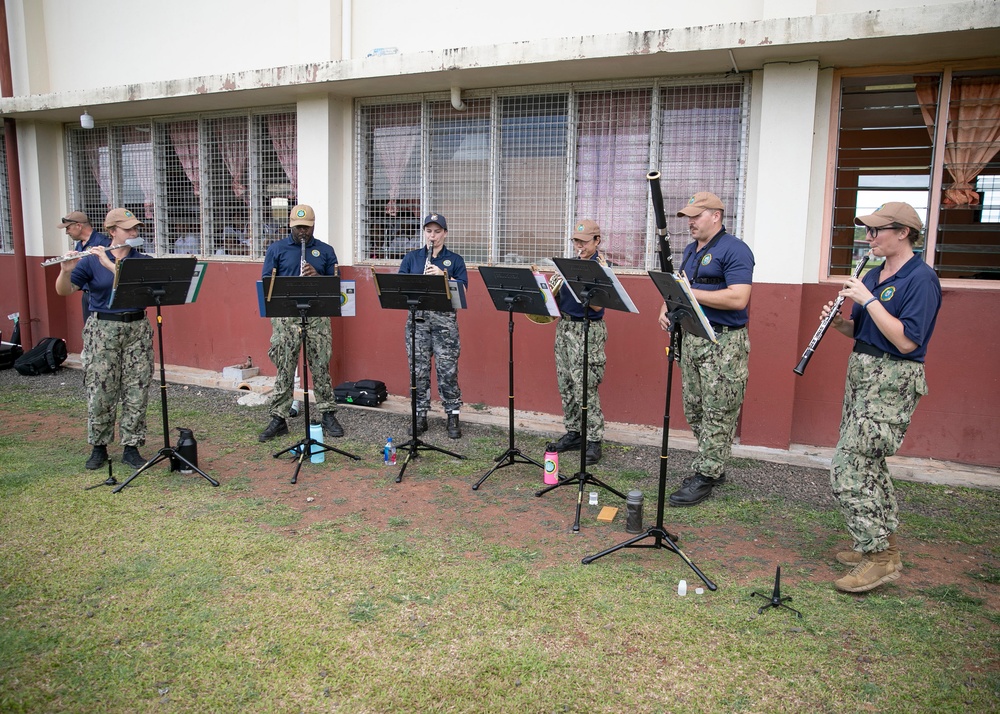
x=853, y=557
x=874, y=569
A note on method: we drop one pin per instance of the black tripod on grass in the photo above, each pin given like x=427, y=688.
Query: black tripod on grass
x=512, y=290
x=591, y=283
x=682, y=310
x=404, y=291
x=163, y=281
x=304, y=297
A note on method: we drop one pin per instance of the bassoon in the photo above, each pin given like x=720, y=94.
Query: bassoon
x=663, y=238
x=824, y=325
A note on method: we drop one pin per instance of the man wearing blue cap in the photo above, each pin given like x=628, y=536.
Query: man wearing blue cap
x=436, y=332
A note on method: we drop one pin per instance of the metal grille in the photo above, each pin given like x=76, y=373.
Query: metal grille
x=6, y=236
x=702, y=147
x=514, y=169
x=211, y=185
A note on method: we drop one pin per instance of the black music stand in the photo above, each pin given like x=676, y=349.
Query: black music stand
x=159, y=281
x=512, y=290
x=405, y=291
x=684, y=311
x=303, y=297
x=591, y=286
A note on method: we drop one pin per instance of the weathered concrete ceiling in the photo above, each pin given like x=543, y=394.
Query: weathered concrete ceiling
x=857, y=40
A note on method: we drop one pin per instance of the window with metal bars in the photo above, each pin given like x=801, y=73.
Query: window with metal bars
x=210, y=185
x=931, y=139
x=513, y=169
x=6, y=237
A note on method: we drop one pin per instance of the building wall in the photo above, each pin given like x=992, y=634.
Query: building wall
x=787, y=173
x=957, y=421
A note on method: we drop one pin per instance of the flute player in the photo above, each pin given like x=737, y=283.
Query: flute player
x=117, y=345
x=892, y=320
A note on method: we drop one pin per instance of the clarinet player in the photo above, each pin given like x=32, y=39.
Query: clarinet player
x=300, y=254
x=436, y=332
x=892, y=320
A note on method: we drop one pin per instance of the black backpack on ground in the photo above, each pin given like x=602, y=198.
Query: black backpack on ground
x=47, y=356
x=366, y=393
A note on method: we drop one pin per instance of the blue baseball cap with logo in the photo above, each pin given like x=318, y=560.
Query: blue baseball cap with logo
x=435, y=218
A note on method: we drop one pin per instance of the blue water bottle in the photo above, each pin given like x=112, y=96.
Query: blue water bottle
x=317, y=454
x=389, y=453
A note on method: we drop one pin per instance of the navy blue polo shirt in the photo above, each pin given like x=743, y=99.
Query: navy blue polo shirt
x=448, y=260
x=285, y=255
x=96, y=238
x=90, y=275
x=569, y=306
x=912, y=296
x=728, y=262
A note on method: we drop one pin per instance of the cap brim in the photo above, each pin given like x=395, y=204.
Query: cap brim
x=691, y=211
x=125, y=224
x=873, y=221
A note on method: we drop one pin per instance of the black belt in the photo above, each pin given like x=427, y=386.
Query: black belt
x=574, y=318
x=863, y=348
x=727, y=328
x=120, y=316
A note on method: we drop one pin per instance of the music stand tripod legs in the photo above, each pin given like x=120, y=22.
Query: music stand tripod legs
x=512, y=454
x=582, y=477
x=415, y=443
x=304, y=448
x=661, y=537
x=167, y=452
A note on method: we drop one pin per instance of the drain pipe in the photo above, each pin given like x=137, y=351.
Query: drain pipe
x=456, y=99
x=14, y=185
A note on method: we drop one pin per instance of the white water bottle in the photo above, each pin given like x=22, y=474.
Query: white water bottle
x=389, y=452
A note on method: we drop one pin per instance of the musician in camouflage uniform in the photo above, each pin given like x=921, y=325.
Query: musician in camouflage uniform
x=719, y=267
x=892, y=320
x=117, y=345
x=300, y=254
x=78, y=229
x=436, y=332
x=569, y=349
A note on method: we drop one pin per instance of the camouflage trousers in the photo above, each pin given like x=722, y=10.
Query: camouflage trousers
x=569, y=373
x=285, y=351
x=117, y=369
x=880, y=397
x=714, y=380
x=437, y=337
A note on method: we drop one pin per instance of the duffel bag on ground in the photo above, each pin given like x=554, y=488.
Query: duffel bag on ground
x=47, y=356
x=366, y=393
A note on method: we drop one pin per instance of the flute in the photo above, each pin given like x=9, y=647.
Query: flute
x=828, y=320
x=129, y=243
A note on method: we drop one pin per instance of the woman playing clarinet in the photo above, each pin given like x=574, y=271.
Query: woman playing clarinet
x=892, y=320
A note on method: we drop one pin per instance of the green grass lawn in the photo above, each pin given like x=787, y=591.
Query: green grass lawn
x=182, y=597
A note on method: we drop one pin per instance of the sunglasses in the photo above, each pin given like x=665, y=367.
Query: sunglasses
x=873, y=232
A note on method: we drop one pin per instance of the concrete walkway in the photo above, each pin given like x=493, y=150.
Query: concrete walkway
x=905, y=468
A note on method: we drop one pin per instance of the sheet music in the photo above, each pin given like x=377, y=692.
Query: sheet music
x=682, y=280
x=199, y=274
x=546, y=289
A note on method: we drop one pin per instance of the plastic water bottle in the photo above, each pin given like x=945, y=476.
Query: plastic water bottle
x=389, y=452
x=550, y=473
x=316, y=454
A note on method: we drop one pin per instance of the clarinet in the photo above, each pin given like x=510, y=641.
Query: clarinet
x=302, y=260
x=824, y=325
